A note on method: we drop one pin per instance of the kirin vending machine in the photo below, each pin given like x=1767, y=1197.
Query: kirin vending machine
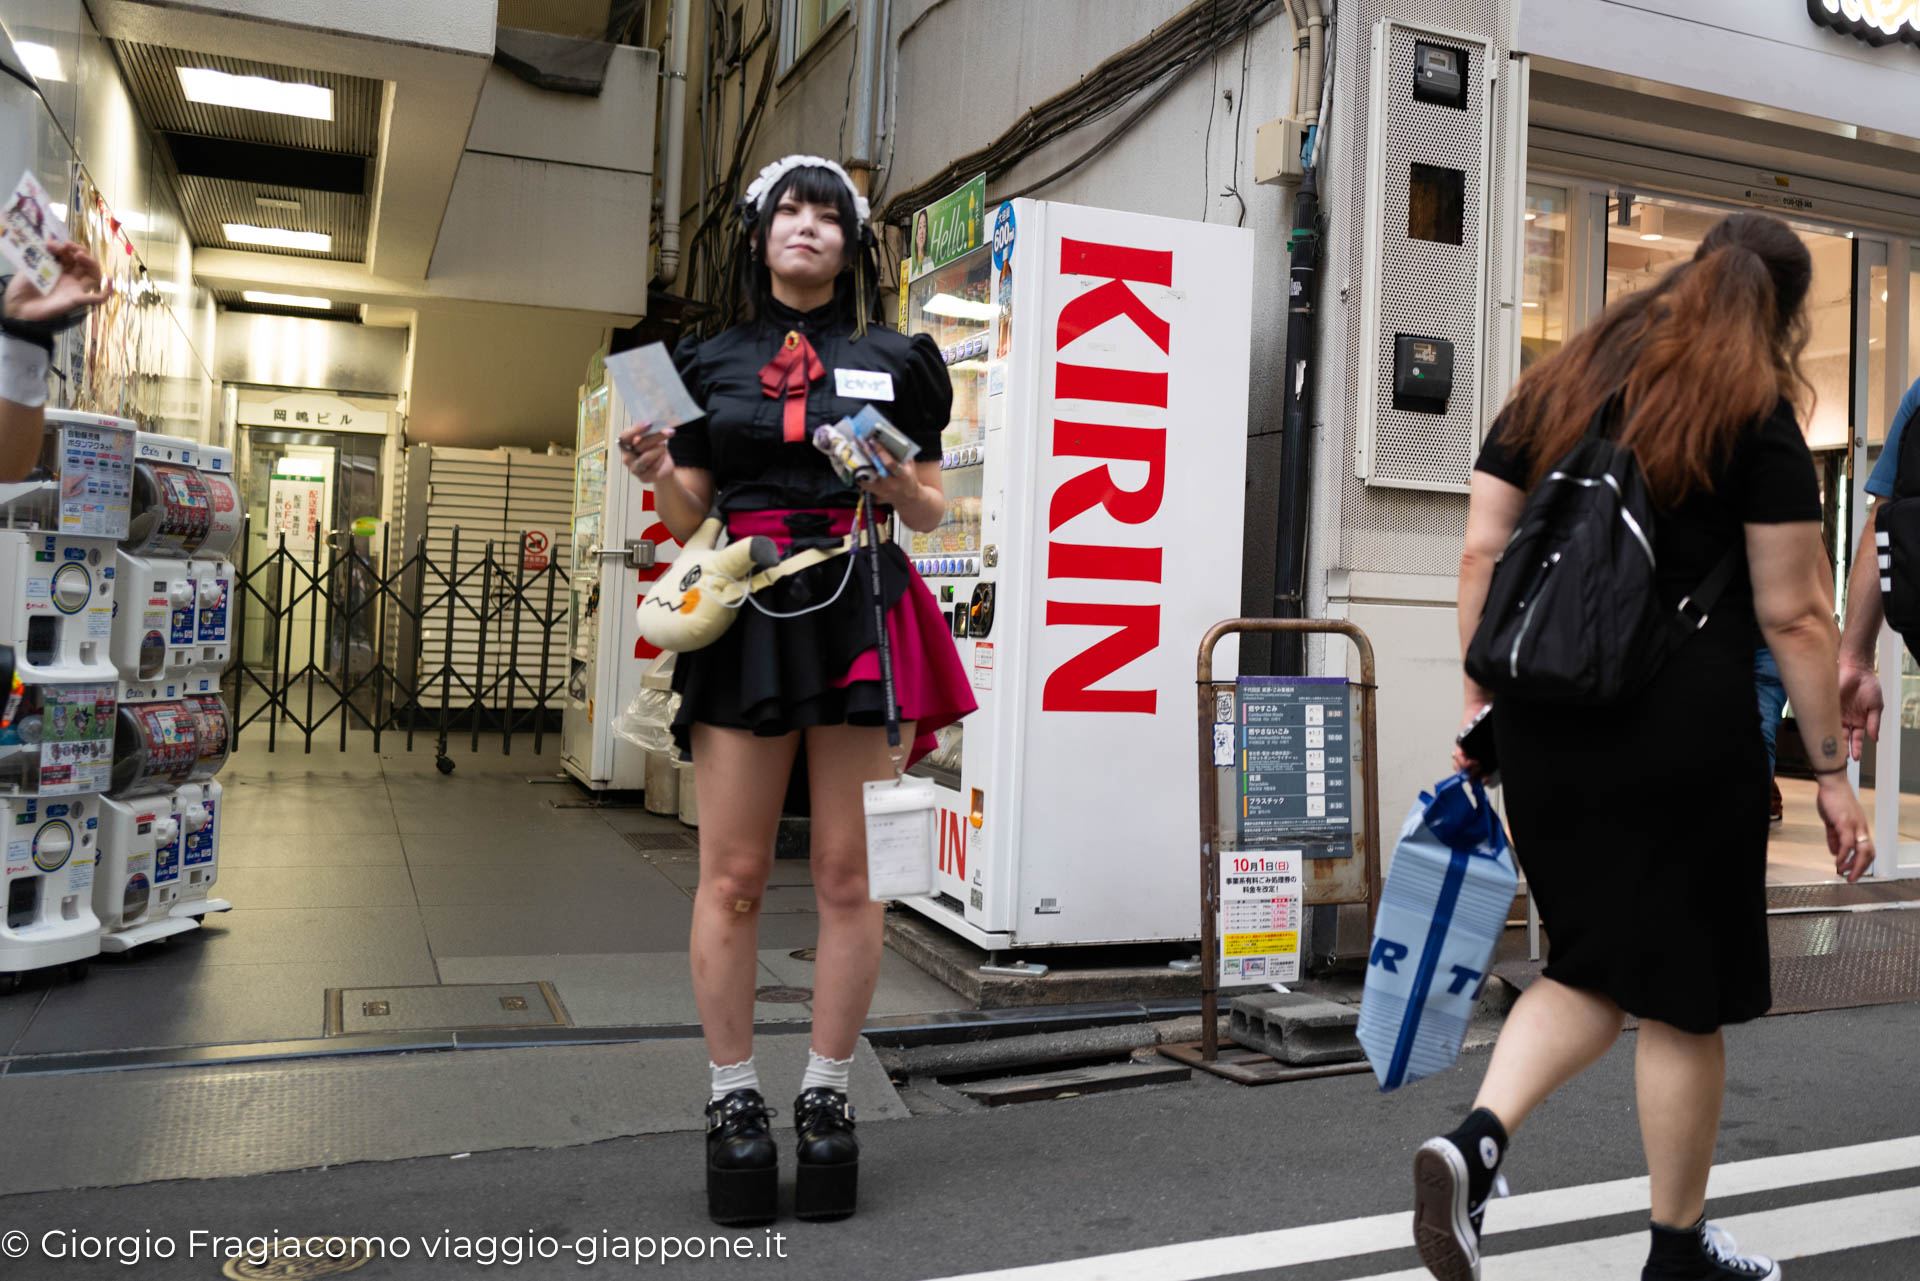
x=1094, y=472
x=613, y=520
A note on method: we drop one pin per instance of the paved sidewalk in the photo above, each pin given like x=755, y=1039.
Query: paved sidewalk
x=362, y=870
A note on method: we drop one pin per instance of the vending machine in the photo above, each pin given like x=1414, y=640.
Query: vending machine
x=58, y=532
x=1094, y=470
x=620, y=546
x=159, y=831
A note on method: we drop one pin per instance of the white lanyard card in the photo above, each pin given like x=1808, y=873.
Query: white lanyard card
x=900, y=838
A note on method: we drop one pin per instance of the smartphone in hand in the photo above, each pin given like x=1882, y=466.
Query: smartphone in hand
x=1476, y=743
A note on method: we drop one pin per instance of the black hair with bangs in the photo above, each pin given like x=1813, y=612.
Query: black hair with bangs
x=810, y=184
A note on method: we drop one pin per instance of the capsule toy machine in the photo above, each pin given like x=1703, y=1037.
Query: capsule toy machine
x=58, y=530
x=170, y=642
x=1094, y=468
x=173, y=634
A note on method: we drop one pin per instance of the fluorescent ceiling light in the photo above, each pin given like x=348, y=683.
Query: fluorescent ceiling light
x=241, y=233
x=1529, y=304
x=266, y=299
x=43, y=60
x=958, y=308
x=1532, y=216
x=256, y=93
x=132, y=221
x=1652, y=235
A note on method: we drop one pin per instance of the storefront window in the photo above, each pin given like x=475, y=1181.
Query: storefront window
x=1546, y=287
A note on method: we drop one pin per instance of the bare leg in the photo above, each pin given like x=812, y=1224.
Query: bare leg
x=847, y=965
x=742, y=780
x=1679, y=1079
x=1554, y=1033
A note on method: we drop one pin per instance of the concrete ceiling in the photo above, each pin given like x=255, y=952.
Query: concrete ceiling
x=431, y=55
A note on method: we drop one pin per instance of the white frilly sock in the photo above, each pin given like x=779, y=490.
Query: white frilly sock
x=734, y=1076
x=831, y=1073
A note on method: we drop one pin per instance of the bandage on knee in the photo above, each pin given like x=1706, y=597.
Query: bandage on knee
x=742, y=906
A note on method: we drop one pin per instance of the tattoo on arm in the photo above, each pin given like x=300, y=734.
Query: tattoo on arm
x=1830, y=747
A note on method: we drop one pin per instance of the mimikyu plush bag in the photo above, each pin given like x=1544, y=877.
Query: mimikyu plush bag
x=1442, y=912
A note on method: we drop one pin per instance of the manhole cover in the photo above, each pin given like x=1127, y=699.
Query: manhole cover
x=449, y=1007
x=784, y=995
x=802, y=953
x=296, y=1258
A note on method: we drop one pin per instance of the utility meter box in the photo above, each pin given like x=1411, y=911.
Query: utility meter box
x=1422, y=337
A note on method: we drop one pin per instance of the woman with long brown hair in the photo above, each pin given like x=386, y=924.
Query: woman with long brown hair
x=1641, y=826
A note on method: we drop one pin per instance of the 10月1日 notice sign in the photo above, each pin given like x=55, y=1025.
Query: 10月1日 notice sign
x=1294, y=763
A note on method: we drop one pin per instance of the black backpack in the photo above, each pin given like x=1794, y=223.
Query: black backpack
x=1896, y=526
x=1572, y=613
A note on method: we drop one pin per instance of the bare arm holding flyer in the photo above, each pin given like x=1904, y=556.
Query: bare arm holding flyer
x=28, y=322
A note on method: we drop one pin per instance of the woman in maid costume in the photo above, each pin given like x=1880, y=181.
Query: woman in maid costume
x=798, y=675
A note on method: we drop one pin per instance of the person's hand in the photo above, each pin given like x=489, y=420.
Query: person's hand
x=1849, y=836
x=645, y=454
x=80, y=285
x=1461, y=761
x=1860, y=706
x=900, y=486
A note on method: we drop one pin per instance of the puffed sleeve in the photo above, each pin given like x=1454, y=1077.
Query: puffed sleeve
x=691, y=446
x=1779, y=483
x=928, y=400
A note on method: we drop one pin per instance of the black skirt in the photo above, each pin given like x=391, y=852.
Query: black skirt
x=1642, y=830
x=779, y=667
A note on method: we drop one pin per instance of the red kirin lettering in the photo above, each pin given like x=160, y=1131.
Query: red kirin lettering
x=1134, y=630
x=953, y=843
x=662, y=538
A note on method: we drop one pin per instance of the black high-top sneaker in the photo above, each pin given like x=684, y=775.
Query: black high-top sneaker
x=743, y=1163
x=1454, y=1176
x=829, y=1175
x=1703, y=1253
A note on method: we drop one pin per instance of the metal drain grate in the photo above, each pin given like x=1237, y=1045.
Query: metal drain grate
x=449, y=1007
x=1840, y=894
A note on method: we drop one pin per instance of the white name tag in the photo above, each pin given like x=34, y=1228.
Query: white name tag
x=863, y=384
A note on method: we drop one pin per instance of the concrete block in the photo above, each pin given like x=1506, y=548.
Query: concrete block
x=1294, y=1028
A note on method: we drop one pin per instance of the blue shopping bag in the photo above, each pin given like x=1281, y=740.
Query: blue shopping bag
x=1442, y=912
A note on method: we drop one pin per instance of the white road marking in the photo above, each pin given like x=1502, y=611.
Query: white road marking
x=1318, y=1242
x=1792, y=1232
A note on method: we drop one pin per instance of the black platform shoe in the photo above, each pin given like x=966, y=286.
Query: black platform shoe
x=743, y=1164
x=829, y=1176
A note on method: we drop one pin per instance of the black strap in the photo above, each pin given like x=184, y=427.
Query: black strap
x=1691, y=614
x=880, y=627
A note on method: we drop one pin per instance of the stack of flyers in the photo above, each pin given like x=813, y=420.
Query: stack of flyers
x=853, y=445
x=26, y=227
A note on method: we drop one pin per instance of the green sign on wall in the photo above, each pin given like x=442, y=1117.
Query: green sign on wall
x=951, y=227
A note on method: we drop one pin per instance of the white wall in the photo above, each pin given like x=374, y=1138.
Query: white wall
x=88, y=113
x=490, y=376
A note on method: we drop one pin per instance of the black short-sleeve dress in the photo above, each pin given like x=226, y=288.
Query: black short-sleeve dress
x=802, y=652
x=1642, y=827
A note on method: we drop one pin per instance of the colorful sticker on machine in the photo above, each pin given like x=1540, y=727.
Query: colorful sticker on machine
x=1003, y=231
x=80, y=872
x=200, y=844
x=76, y=744
x=1260, y=908
x=949, y=228
x=182, y=624
x=96, y=481
x=213, y=618
x=166, y=862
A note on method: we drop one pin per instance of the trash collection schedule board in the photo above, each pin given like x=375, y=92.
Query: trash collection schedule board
x=1295, y=763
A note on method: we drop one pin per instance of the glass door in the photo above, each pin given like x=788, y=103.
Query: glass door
x=1891, y=316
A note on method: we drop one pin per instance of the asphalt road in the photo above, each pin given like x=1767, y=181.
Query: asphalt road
x=1036, y=1191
